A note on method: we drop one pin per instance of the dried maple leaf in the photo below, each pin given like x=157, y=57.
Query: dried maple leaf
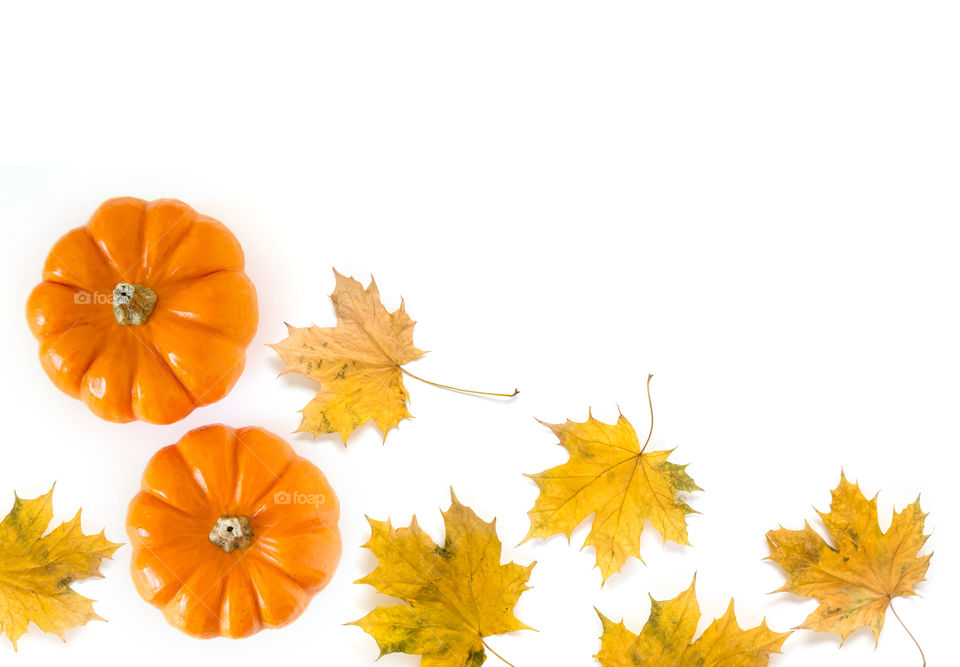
x=856, y=580
x=358, y=363
x=666, y=637
x=613, y=477
x=456, y=594
x=36, y=570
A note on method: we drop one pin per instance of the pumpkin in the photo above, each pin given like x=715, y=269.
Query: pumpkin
x=232, y=532
x=145, y=312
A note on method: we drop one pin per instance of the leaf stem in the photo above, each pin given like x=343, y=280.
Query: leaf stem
x=504, y=660
x=922, y=656
x=465, y=391
x=650, y=401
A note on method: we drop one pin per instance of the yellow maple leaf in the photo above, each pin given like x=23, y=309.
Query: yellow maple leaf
x=36, y=570
x=613, y=477
x=666, y=639
x=357, y=363
x=856, y=580
x=456, y=594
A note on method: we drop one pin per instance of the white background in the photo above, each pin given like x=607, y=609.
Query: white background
x=755, y=201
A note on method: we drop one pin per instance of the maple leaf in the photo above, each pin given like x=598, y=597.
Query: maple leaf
x=612, y=477
x=36, y=570
x=666, y=639
x=856, y=580
x=456, y=594
x=357, y=363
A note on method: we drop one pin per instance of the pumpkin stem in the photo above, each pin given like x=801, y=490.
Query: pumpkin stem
x=232, y=532
x=132, y=304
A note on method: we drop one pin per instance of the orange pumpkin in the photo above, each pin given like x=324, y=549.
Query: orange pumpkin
x=232, y=532
x=144, y=313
